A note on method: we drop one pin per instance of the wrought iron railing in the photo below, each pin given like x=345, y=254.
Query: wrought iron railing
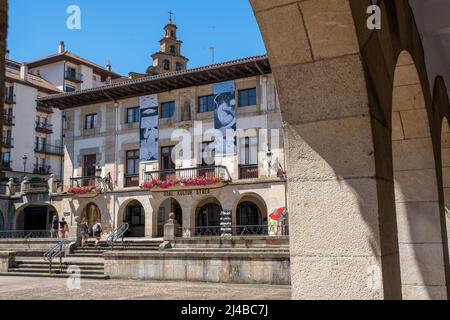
x=248, y=171
x=82, y=182
x=35, y=187
x=44, y=125
x=10, y=98
x=117, y=234
x=7, y=165
x=131, y=180
x=49, y=149
x=189, y=173
x=25, y=234
x=42, y=169
x=73, y=76
x=8, y=119
x=44, y=109
x=217, y=231
x=8, y=142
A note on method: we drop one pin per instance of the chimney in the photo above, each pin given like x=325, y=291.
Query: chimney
x=61, y=47
x=7, y=55
x=24, y=71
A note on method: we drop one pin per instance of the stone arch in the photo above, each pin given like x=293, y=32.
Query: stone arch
x=207, y=212
x=91, y=212
x=417, y=206
x=34, y=216
x=132, y=212
x=166, y=207
x=335, y=83
x=254, y=198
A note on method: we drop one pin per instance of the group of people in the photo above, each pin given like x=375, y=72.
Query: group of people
x=61, y=228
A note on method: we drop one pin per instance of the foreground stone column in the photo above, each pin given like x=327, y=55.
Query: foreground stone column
x=172, y=229
x=7, y=260
x=343, y=241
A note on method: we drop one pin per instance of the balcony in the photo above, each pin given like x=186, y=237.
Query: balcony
x=10, y=99
x=8, y=142
x=42, y=108
x=85, y=187
x=44, y=127
x=248, y=171
x=42, y=169
x=49, y=149
x=8, y=120
x=186, y=179
x=73, y=76
x=7, y=165
x=131, y=180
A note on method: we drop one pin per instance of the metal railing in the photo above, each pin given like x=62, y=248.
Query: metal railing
x=4, y=188
x=49, y=149
x=10, y=98
x=73, y=76
x=82, y=182
x=8, y=119
x=217, y=231
x=35, y=187
x=25, y=234
x=8, y=142
x=43, y=126
x=117, y=234
x=58, y=251
x=44, y=109
x=7, y=165
x=42, y=169
x=189, y=173
x=248, y=171
x=131, y=180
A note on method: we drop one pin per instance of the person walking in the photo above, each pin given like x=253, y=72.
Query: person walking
x=63, y=228
x=84, y=232
x=55, y=227
x=97, y=230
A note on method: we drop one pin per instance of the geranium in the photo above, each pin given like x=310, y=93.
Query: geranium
x=188, y=182
x=81, y=191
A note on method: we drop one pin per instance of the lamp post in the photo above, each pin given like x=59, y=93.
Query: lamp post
x=269, y=156
x=24, y=158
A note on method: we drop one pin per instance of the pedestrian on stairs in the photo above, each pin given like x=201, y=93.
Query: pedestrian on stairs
x=55, y=227
x=97, y=229
x=84, y=232
x=63, y=227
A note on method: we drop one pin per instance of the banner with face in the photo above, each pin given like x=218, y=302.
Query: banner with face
x=149, y=130
x=225, y=117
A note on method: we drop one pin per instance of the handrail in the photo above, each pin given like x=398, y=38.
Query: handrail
x=24, y=234
x=116, y=234
x=189, y=173
x=58, y=251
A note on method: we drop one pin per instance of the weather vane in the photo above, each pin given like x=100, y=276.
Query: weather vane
x=170, y=16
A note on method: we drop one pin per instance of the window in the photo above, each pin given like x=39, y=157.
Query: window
x=247, y=97
x=133, y=115
x=166, y=65
x=172, y=49
x=132, y=162
x=208, y=154
x=167, y=110
x=6, y=158
x=166, y=158
x=91, y=121
x=249, y=151
x=69, y=89
x=206, y=104
x=132, y=168
x=178, y=66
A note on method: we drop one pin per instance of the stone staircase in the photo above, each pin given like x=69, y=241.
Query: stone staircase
x=90, y=251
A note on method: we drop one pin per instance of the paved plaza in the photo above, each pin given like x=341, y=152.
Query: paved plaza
x=20, y=288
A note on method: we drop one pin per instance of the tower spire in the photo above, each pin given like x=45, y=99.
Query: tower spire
x=170, y=17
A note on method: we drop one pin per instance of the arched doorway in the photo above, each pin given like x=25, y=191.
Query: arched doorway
x=168, y=206
x=35, y=217
x=422, y=264
x=91, y=213
x=207, y=217
x=134, y=215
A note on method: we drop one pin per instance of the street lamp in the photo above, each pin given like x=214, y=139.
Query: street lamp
x=269, y=156
x=24, y=158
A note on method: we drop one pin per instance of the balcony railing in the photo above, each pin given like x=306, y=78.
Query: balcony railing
x=44, y=109
x=211, y=172
x=10, y=99
x=6, y=165
x=8, y=142
x=240, y=231
x=42, y=169
x=82, y=182
x=8, y=119
x=49, y=149
x=248, y=171
x=30, y=234
x=131, y=180
x=73, y=76
x=44, y=127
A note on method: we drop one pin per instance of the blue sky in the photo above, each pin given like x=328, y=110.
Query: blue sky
x=129, y=34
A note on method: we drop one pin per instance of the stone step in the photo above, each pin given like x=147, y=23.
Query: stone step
x=56, y=270
x=53, y=275
x=85, y=255
x=101, y=250
x=64, y=266
x=66, y=261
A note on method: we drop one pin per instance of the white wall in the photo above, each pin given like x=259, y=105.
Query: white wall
x=53, y=73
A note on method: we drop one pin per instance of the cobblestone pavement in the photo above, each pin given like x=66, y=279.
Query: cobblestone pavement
x=21, y=288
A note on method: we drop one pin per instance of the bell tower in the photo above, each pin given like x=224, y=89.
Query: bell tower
x=169, y=58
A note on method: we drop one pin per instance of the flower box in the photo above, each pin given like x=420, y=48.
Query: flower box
x=183, y=184
x=83, y=192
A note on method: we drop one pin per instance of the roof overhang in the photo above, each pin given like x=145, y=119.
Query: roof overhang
x=236, y=69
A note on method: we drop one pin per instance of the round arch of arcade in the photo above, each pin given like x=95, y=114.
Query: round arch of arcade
x=355, y=182
x=34, y=216
x=132, y=211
